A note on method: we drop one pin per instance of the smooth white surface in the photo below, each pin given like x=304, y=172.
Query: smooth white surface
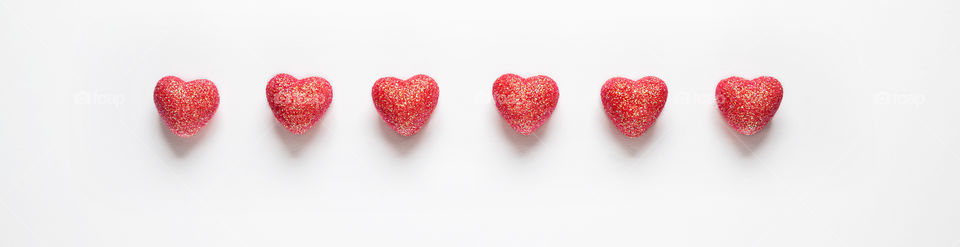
x=863, y=152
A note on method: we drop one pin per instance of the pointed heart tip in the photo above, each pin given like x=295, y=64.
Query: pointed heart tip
x=631, y=134
x=405, y=132
x=749, y=131
x=297, y=131
x=183, y=134
x=525, y=130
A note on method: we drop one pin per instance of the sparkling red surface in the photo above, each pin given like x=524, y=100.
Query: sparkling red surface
x=633, y=106
x=526, y=103
x=406, y=105
x=298, y=104
x=748, y=105
x=185, y=107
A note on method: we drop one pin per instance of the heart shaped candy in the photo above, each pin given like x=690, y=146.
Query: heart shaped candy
x=633, y=106
x=748, y=105
x=406, y=105
x=526, y=103
x=298, y=104
x=185, y=107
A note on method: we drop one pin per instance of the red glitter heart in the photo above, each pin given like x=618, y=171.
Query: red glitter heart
x=406, y=105
x=298, y=104
x=185, y=107
x=633, y=106
x=526, y=103
x=748, y=105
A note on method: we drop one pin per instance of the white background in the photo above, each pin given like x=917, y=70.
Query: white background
x=863, y=151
